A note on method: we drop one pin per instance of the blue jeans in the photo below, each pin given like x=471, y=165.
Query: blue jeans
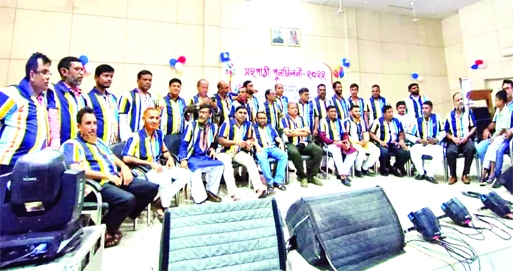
x=263, y=161
x=499, y=160
x=481, y=149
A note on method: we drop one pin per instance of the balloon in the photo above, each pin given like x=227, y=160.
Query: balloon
x=335, y=73
x=83, y=59
x=341, y=74
x=482, y=66
x=419, y=78
x=173, y=62
x=182, y=59
x=414, y=75
x=178, y=66
x=474, y=67
x=479, y=62
x=88, y=68
x=347, y=64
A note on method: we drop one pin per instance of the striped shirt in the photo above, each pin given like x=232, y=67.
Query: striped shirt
x=356, y=129
x=334, y=129
x=232, y=131
x=131, y=109
x=24, y=126
x=320, y=107
x=359, y=102
x=283, y=103
x=236, y=104
x=68, y=102
x=459, y=126
x=414, y=105
x=342, y=106
x=387, y=131
x=194, y=100
x=195, y=134
x=273, y=113
x=105, y=108
x=288, y=123
x=224, y=105
x=255, y=106
x=172, y=115
x=266, y=136
x=145, y=147
x=376, y=106
x=426, y=129
x=307, y=112
x=97, y=156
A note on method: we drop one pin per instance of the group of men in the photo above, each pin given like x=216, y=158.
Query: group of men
x=177, y=142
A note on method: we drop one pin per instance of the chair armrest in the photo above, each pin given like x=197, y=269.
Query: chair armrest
x=94, y=184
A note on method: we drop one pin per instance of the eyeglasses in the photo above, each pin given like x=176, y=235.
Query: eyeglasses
x=44, y=72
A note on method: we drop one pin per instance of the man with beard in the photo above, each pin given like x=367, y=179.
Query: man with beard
x=236, y=137
x=427, y=132
x=333, y=134
x=145, y=148
x=376, y=104
x=198, y=153
x=133, y=104
x=68, y=99
x=224, y=99
x=388, y=134
x=271, y=109
x=282, y=100
x=173, y=116
x=251, y=100
x=240, y=101
x=460, y=126
x=105, y=105
x=355, y=100
x=23, y=113
x=201, y=98
x=306, y=108
x=126, y=195
x=320, y=104
x=414, y=102
x=359, y=138
x=340, y=103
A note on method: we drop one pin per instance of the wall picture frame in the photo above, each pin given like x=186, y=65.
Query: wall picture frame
x=278, y=36
x=293, y=37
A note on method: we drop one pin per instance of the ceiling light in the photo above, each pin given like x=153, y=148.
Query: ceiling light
x=340, y=9
x=415, y=19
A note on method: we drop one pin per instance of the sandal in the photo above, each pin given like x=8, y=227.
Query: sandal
x=118, y=235
x=110, y=241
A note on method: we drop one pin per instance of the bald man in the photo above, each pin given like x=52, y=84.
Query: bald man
x=282, y=101
x=223, y=98
x=201, y=98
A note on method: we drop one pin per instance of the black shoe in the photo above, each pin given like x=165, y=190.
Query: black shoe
x=482, y=182
x=349, y=180
x=431, y=180
x=346, y=182
x=396, y=172
x=496, y=183
x=281, y=187
x=267, y=193
x=358, y=174
x=291, y=170
x=368, y=173
x=212, y=197
x=420, y=177
x=383, y=172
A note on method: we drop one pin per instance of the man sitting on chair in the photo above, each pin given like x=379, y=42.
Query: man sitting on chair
x=145, y=148
x=236, y=137
x=333, y=135
x=126, y=195
x=265, y=141
x=197, y=153
x=388, y=134
x=427, y=132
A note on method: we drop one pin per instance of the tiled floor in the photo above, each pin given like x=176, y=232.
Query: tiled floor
x=139, y=250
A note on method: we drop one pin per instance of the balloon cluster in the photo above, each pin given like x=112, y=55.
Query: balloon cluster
x=345, y=62
x=224, y=56
x=177, y=63
x=88, y=67
x=416, y=76
x=479, y=64
x=339, y=72
x=228, y=64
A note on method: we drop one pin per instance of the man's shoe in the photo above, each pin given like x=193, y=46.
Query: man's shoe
x=452, y=180
x=369, y=173
x=431, y=180
x=397, y=172
x=346, y=182
x=358, y=174
x=282, y=187
x=496, y=183
x=465, y=179
x=482, y=182
x=316, y=181
x=212, y=197
x=304, y=182
x=348, y=179
x=420, y=177
x=266, y=193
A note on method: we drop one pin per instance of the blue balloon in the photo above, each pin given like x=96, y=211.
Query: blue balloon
x=83, y=59
x=475, y=67
x=347, y=64
x=172, y=61
x=415, y=75
x=341, y=74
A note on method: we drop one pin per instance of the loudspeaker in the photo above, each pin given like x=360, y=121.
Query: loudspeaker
x=506, y=179
x=350, y=230
x=243, y=235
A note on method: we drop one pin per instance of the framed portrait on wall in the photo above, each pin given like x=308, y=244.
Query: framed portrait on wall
x=278, y=36
x=293, y=37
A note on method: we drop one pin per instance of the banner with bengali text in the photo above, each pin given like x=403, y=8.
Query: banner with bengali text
x=293, y=76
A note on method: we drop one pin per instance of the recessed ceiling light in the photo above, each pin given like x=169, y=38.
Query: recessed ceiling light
x=365, y=2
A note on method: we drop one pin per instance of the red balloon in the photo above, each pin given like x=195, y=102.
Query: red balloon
x=335, y=73
x=479, y=62
x=181, y=59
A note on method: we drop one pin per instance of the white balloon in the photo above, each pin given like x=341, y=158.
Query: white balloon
x=89, y=67
x=178, y=66
x=482, y=66
x=419, y=78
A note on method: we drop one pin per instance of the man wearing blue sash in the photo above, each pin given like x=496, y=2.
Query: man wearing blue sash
x=223, y=98
x=355, y=100
x=173, y=116
x=376, y=104
x=306, y=108
x=271, y=109
x=251, y=100
x=241, y=101
x=265, y=140
x=133, y=104
x=415, y=101
x=198, y=153
x=427, y=132
x=282, y=100
x=68, y=99
x=340, y=103
x=197, y=100
x=320, y=104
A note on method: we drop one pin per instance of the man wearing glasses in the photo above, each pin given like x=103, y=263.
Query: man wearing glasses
x=23, y=113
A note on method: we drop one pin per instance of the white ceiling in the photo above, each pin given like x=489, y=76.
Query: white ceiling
x=436, y=9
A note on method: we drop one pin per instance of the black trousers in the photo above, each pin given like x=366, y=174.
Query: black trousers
x=5, y=169
x=468, y=149
x=126, y=201
x=401, y=156
x=312, y=165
